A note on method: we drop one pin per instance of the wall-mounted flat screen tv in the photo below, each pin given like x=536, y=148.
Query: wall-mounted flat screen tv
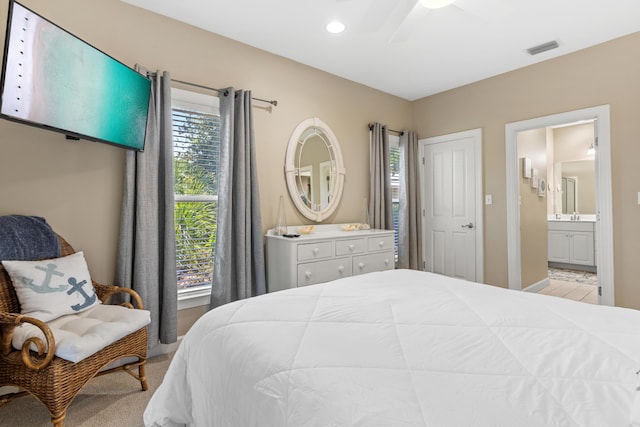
x=53, y=79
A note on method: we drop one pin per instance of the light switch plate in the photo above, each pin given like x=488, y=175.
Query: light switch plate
x=488, y=199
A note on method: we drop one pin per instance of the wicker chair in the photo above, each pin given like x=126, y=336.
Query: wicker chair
x=52, y=380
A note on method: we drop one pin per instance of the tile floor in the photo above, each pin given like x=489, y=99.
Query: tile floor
x=571, y=290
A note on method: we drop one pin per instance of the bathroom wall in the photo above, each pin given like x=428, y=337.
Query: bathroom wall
x=532, y=144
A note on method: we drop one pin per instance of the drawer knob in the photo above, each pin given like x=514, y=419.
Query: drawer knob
x=308, y=275
x=351, y=247
x=381, y=243
x=386, y=261
x=341, y=268
x=316, y=250
x=361, y=265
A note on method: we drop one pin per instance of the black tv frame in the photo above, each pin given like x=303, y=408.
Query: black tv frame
x=69, y=133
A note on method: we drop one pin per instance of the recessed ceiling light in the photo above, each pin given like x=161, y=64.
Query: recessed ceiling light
x=335, y=27
x=435, y=4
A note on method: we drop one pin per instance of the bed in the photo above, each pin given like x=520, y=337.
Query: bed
x=403, y=348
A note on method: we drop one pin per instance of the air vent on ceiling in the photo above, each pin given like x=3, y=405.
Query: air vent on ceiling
x=543, y=47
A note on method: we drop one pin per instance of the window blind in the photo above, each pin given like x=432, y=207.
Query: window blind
x=196, y=148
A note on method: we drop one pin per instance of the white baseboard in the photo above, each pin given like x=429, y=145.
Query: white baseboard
x=537, y=286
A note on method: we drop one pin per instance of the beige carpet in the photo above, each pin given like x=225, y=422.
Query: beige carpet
x=112, y=400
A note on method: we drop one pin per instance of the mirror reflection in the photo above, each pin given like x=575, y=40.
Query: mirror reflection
x=577, y=188
x=315, y=171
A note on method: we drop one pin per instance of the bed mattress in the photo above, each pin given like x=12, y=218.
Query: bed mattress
x=403, y=348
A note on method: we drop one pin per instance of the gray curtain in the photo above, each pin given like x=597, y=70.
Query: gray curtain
x=409, y=215
x=238, y=270
x=380, y=209
x=147, y=254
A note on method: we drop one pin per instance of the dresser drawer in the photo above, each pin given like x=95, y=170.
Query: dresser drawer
x=380, y=243
x=316, y=250
x=327, y=254
x=351, y=246
x=323, y=271
x=373, y=262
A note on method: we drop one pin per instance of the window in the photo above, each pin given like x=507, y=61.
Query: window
x=394, y=159
x=196, y=155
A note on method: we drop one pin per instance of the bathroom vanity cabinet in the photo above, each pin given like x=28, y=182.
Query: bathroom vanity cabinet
x=572, y=242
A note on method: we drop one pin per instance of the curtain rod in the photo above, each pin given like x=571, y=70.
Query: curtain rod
x=399, y=132
x=274, y=102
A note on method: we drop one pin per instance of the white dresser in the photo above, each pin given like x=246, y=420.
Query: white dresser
x=326, y=254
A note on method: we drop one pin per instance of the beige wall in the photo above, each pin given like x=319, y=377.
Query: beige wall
x=77, y=185
x=533, y=209
x=604, y=74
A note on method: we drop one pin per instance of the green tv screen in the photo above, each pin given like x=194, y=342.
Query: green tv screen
x=52, y=79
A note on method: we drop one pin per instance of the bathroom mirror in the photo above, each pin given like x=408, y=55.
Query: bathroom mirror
x=314, y=169
x=577, y=186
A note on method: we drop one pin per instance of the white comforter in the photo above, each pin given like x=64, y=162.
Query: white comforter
x=403, y=348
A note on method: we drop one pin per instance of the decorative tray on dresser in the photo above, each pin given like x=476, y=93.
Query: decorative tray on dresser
x=325, y=254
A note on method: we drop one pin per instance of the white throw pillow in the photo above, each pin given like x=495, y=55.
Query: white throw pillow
x=50, y=288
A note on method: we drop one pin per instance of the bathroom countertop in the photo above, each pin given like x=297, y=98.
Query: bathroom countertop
x=567, y=218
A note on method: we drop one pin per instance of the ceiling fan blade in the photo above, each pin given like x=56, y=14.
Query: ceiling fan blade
x=375, y=16
x=412, y=20
x=384, y=14
x=487, y=10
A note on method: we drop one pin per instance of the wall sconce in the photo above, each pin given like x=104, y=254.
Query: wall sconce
x=591, y=151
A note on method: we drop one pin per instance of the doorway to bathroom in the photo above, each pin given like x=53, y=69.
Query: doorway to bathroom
x=550, y=226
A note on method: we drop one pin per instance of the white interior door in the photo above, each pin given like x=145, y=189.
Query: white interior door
x=452, y=205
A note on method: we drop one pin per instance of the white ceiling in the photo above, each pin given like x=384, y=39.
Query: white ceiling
x=401, y=48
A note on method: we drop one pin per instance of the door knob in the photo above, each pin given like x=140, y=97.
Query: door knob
x=470, y=225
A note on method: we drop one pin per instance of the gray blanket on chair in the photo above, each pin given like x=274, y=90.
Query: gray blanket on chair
x=27, y=238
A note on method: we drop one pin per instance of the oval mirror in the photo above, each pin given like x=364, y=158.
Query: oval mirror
x=314, y=169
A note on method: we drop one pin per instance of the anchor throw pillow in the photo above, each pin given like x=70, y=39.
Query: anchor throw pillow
x=50, y=288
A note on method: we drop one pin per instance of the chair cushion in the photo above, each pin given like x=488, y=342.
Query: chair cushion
x=50, y=288
x=80, y=335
